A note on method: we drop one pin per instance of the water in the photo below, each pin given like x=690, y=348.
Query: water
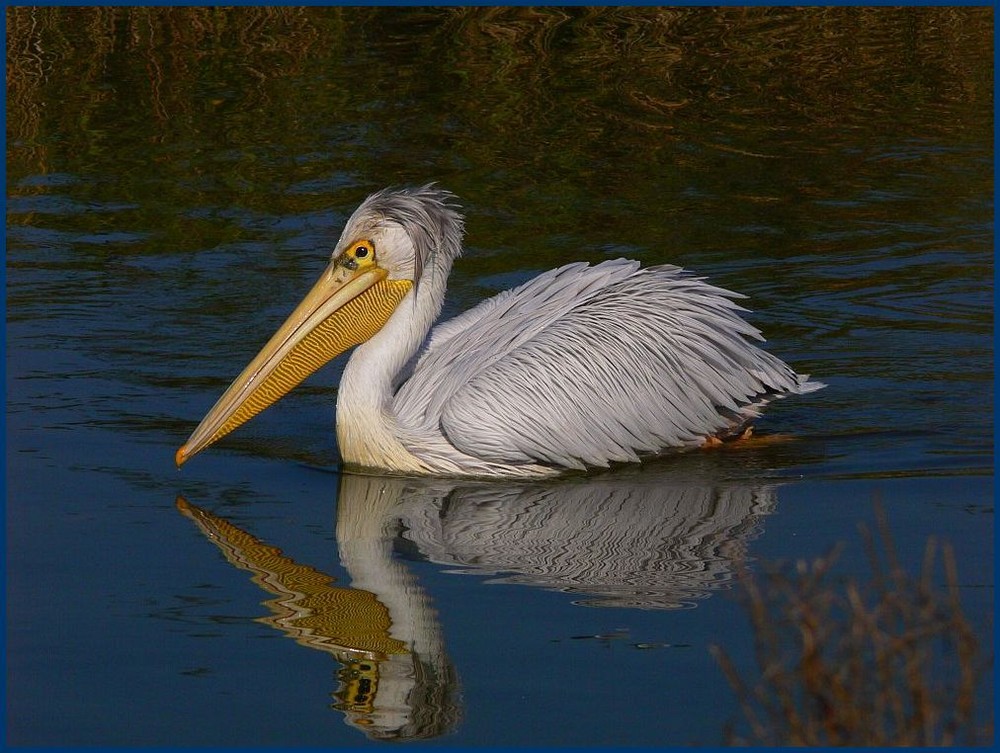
x=175, y=181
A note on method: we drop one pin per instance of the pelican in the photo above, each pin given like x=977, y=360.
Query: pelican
x=581, y=366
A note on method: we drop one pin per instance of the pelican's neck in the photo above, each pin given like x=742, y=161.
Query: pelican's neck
x=366, y=424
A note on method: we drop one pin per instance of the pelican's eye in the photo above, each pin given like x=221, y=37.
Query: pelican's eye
x=357, y=255
x=363, y=252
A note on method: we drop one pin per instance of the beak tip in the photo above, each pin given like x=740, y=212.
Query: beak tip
x=180, y=457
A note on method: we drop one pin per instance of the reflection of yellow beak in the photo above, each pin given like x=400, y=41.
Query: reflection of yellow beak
x=345, y=308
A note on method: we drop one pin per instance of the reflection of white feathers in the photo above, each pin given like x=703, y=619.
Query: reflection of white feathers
x=649, y=545
x=630, y=540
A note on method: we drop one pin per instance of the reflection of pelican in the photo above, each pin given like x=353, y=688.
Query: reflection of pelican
x=646, y=539
x=581, y=366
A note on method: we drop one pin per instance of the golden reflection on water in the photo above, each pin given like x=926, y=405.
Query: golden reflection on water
x=642, y=538
x=387, y=684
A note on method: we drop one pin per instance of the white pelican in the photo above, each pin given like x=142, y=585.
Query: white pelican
x=581, y=366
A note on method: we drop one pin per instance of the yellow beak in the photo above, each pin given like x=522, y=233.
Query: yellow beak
x=345, y=308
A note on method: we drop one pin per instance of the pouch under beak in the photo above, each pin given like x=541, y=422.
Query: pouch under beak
x=345, y=308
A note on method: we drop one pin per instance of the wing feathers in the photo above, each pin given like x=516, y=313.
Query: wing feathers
x=589, y=365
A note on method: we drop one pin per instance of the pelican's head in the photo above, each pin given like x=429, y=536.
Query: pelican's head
x=392, y=241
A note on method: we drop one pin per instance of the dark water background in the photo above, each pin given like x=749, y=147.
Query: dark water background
x=175, y=180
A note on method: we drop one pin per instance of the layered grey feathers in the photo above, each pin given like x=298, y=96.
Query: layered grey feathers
x=588, y=365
